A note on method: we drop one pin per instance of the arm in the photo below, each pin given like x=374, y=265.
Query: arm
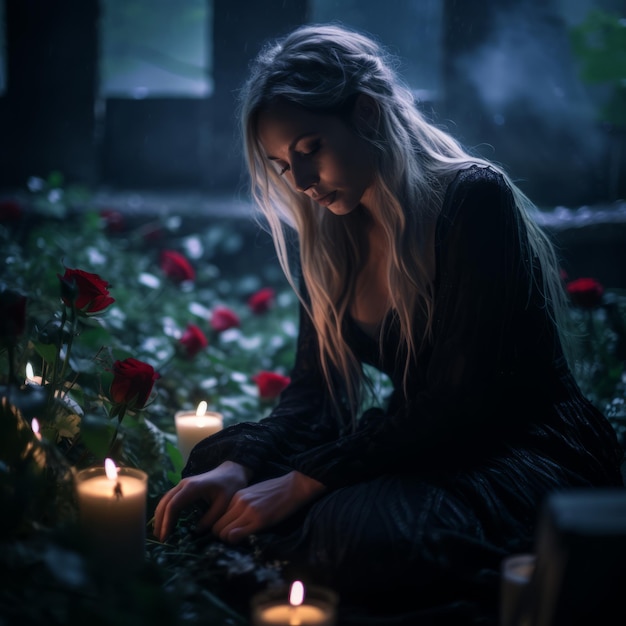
x=215, y=487
x=266, y=503
x=302, y=419
x=492, y=352
x=221, y=467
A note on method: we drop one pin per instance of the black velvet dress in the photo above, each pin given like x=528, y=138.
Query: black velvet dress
x=428, y=496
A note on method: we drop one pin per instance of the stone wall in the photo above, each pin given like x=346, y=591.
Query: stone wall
x=510, y=91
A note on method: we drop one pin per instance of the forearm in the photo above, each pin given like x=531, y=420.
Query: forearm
x=306, y=488
x=237, y=472
x=266, y=503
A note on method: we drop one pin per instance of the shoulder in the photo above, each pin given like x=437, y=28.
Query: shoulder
x=478, y=202
x=475, y=180
x=479, y=189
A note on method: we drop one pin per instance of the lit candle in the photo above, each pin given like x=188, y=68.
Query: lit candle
x=517, y=571
x=112, y=512
x=192, y=427
x=31, y=379
x=273, y=608
x=35, y=426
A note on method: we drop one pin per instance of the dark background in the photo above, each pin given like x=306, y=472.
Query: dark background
x=500, y=75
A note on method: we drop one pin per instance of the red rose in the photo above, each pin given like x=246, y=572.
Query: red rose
x=270, y=384
x=193, y=340
x=12, y=315
x=10, y=210
x=224, y=318
x=132, y=382
x=585, y=293
x=261, y=301
x=176, y=266
x=87, y=291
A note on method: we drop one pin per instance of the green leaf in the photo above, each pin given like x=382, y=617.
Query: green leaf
x=55, y=179
x=96, y=433
x=600, y=45
x=176, y=458
x=46, y=351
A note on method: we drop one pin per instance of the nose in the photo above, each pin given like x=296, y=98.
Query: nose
x=304, y=175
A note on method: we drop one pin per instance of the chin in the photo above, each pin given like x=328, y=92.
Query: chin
x=339, y=211
x=341, y=208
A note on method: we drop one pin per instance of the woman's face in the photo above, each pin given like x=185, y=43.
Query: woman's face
x=319, y=155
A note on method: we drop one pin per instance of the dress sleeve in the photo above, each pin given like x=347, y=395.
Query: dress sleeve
x=491, y=356
x=302, y=419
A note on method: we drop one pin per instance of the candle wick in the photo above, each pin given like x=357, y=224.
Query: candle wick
x=117, y=492
x=294, y=620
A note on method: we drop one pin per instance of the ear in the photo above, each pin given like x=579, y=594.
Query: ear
x=365, y=113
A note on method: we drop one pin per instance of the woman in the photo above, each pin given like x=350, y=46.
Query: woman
x=424, y=262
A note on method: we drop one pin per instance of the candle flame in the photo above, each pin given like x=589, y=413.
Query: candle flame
x=30, y=373
x=110, y=469
x=35, y=426
x=296, y=595
x=201, y=410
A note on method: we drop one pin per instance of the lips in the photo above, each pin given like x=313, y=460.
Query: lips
x=328, y=199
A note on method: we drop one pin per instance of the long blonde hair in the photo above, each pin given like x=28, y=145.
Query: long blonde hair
x=322, y=68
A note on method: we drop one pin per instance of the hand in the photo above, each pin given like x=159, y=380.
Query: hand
x=264, y=504
x=215, y=487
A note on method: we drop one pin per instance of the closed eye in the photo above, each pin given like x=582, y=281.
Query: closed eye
x=311, y=150
x=308, y=152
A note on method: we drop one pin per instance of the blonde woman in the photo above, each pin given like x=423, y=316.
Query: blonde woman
x=423, y=261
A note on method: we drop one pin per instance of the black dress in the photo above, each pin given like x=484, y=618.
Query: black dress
x=428, y=496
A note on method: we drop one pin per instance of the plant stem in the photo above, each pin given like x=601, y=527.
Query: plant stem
x=51, y=386
x=70, y=341
x=120, y=417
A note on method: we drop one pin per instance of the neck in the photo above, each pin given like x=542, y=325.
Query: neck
x=376, y=237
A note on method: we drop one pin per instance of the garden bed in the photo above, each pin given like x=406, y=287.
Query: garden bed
x=222, y=261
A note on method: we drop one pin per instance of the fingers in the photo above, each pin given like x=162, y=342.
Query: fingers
x=233, y=527
x=216, y=510
x=161, y=513
x=173, y=502
x=230, y=518
x=237, y=534
x=238, y=522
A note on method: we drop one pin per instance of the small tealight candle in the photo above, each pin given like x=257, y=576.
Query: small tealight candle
x=112, y=512
x=517, y=571
x=316, y=607
x=35, y=426
x=31, y=379
x=192, y=427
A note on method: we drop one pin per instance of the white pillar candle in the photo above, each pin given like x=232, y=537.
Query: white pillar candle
x=315, y=607
x=112, y=513
x=194, y=426
x=517, y=571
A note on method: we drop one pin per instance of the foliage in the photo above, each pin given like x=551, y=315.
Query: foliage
x=600, y=364
x=243, y=307
x=76, y=355
x=600, y=44
x=148, y=319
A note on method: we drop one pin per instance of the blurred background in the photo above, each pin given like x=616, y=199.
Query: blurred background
x=135, y=100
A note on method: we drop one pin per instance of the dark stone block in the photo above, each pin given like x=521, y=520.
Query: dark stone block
x=580, y=574
x=157, y=143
